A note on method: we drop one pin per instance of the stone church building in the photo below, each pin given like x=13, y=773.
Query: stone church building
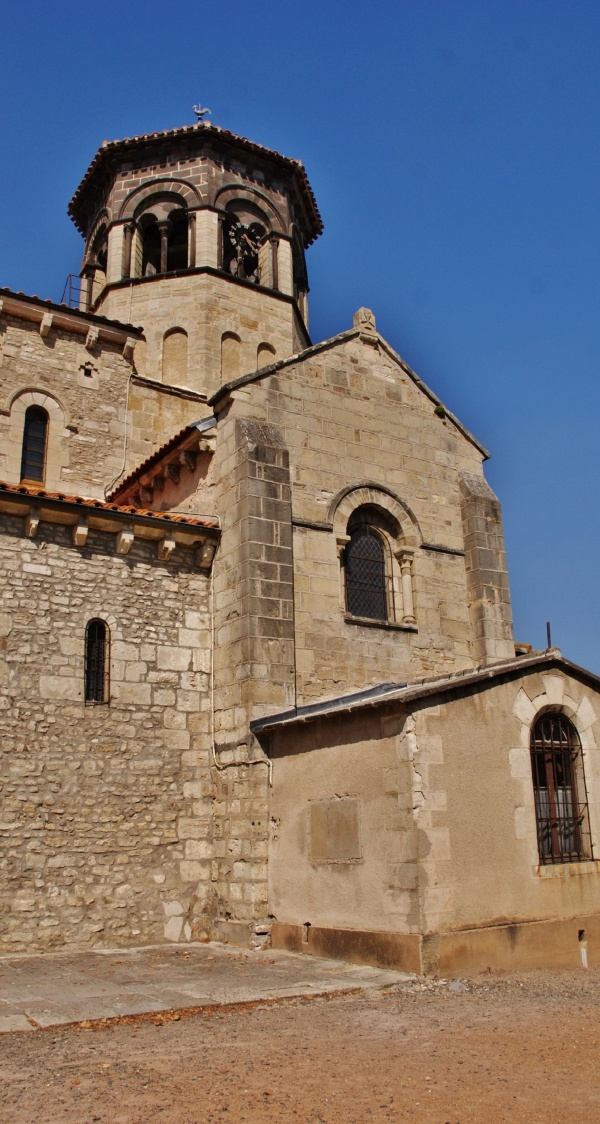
x=258, y=679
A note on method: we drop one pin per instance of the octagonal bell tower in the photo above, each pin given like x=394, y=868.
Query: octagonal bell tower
x=198, y=236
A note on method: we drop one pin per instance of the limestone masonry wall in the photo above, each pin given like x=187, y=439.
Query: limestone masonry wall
x=352, y=418
x=84, y=393
x=205, y=305
x=105, y=815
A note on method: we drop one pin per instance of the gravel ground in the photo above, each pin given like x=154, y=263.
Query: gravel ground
x=499, y=1048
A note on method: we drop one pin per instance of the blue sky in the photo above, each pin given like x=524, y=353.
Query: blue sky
x=453, y=149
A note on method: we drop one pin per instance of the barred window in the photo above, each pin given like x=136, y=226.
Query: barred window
x=561, y=808
x=35, y=436
x=364, y=563
x=96, y=661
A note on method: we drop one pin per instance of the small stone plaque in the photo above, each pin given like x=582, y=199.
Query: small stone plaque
x=334, y=828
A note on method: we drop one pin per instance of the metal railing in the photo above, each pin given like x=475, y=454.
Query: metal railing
x=73, y=291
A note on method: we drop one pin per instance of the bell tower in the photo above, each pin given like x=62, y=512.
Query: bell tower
x=199, y=236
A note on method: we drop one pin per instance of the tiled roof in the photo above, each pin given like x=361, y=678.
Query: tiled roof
x=168, y=447
x=204, y=128
x=100, y=505
x=65, y=308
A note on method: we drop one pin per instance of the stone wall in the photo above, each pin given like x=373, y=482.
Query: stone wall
x=106, y=809
x=487, y=571
x=84, y=393
x=104, y=418
x=353, y=419
x=206, y=305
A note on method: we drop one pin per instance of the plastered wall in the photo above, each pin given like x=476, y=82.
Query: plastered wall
x=446, y=814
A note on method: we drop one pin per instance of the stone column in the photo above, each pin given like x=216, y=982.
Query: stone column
x=285, y=273
x=129, y=232
x=208, y=238
x=87, y=287
x=405, y=558
x=191, y=239
x=114, y=264
x=274, y=240
x=164, y=228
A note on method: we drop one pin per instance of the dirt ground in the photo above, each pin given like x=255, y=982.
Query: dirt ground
x=500, y=1048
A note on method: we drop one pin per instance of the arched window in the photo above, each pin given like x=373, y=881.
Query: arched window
x=559, y=789
x=364, y=563
x=96, y=267
x=35, y=439
x=150, y=246
x=96, y=661
x=244, y=237
x=177, y=241
x=164, y=236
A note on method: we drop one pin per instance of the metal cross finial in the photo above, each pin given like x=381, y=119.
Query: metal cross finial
x=200, y=113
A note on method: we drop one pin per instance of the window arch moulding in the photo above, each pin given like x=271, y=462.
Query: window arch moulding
x=135, y=203
x=233, y=195
x=368, y=505
x=57, y=437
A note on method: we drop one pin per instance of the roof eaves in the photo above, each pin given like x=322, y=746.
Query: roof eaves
x=66, y=310
x=206, y=128
x=413, y=692
x=343, y=337
x=78, y=503
x=203, y=425
x=433, y=397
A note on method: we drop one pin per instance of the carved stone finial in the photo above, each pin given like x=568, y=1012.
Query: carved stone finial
x=200, y=112
x=364, y=320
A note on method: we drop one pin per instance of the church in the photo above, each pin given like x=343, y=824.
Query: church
x=258, y=678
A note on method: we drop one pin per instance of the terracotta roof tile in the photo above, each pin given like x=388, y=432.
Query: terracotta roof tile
x=167, y=517
x=62, y=307
x=169, y=445
x=203, y=128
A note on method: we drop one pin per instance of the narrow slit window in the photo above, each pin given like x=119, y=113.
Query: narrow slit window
x=561, y=808
x=96, y=662
x=35, y=438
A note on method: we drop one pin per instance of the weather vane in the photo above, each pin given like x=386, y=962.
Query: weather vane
x=200, y=112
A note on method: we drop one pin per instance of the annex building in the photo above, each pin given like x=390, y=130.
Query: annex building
x=258, y=678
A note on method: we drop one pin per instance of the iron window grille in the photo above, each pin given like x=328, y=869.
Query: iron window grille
x=96, y=662
x=35, y=435
x=561, y=806
x=364, y=563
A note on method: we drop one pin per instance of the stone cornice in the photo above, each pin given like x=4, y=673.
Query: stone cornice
x=125, y=523
x=49, y=316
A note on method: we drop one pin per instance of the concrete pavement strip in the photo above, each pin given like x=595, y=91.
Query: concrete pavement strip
x=61, y=988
